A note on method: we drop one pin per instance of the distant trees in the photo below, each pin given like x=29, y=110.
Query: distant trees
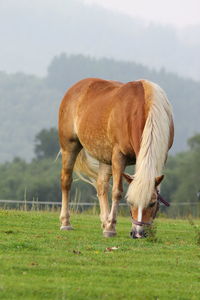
x=46, y=143
x=182, y=182
x=26, y=106
x=194, y=142
x=40, y=179
x=65, y=70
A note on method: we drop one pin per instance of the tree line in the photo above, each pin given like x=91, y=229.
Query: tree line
x=40, y=178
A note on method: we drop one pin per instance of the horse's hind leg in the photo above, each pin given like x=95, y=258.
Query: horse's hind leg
x=118, y=166
x=68, y=160
x=104, y=175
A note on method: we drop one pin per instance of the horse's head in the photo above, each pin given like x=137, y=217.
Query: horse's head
x=144, y=217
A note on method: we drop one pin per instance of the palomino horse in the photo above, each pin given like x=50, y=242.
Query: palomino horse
x=107, y=125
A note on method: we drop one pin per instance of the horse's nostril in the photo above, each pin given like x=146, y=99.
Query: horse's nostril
x=132, y=234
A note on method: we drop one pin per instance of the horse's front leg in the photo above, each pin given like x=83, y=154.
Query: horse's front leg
x=104, y=175
x=118, y=166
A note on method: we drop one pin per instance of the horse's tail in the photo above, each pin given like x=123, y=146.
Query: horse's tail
x=154, y=145
x=87, y=165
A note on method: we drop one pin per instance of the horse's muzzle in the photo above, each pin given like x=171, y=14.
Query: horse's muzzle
x=137, y=235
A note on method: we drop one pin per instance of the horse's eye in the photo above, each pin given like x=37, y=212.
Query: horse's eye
x=152, y=204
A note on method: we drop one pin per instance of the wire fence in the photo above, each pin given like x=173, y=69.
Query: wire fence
x=175, y=210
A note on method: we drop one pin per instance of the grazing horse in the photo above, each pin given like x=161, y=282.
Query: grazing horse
x=105, y=126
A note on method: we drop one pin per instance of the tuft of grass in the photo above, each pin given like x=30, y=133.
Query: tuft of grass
x=196, y=230
x=151, y=232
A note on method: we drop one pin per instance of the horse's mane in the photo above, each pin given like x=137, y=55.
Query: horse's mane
x=154, y=146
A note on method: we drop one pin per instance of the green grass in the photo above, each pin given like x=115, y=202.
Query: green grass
x=37, y=261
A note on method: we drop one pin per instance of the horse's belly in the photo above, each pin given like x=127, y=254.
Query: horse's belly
x=98, y=147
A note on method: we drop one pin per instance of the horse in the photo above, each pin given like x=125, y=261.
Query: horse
x=105, y=126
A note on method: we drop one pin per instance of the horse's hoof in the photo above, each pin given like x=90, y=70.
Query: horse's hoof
x=69, y=227
x=109, y=233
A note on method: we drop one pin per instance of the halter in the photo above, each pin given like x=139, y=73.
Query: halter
x=159, y=199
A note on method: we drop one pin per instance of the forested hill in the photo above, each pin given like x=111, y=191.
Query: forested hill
x=28, y=103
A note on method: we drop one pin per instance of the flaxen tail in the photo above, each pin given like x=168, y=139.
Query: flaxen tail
x=88, y=166
x=85, y=165
x=154, y=146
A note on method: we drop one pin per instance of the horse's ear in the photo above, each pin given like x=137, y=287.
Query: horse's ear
x=158, y=180
x=128, y=177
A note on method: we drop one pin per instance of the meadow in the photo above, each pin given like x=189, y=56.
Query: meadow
x=38, y=261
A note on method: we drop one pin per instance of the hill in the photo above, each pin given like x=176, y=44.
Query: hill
x=29, y=104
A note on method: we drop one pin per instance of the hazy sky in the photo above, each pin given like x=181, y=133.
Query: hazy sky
x=175, y=12
x=33, y=32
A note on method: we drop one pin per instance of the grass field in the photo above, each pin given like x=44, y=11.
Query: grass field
x=37, y=261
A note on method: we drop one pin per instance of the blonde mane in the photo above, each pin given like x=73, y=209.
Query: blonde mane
x=154, y=145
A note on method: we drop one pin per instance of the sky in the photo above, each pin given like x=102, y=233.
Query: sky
x=179, y=13
x=32, y=31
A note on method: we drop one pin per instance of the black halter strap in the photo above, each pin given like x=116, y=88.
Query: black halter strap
x=140, y=223
x=162, y=200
